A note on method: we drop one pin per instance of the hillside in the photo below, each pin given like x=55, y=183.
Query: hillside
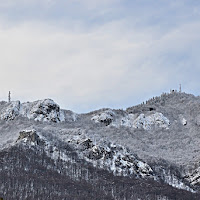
x=148, y=151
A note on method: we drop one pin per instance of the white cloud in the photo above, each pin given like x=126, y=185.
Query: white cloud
x=113, y=64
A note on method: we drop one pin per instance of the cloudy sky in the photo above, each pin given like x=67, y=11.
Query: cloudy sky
x=89, y=54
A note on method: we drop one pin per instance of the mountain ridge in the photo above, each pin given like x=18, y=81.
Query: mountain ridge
x=156, y=141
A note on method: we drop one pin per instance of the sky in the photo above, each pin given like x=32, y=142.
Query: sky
x=91, y=54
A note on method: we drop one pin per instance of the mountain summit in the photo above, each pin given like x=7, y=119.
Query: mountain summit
x=148, y=151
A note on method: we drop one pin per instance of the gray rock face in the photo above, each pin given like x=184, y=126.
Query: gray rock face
x=29, y=136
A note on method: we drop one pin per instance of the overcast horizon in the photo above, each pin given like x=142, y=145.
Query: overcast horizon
x=91, y=54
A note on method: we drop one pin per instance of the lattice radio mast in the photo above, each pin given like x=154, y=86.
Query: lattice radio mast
x=9, y=96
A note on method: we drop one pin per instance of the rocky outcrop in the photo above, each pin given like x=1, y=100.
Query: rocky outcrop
x=114, y=158
x=148, y=121
x=29, y=136
x=144, y=121
x=105, y=117
x=43, y=110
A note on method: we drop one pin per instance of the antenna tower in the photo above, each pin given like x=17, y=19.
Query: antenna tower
x=9, y=96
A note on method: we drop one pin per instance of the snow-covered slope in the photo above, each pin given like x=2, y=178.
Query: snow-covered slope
x=114, y=158
x=157, y=142
x=105, y=155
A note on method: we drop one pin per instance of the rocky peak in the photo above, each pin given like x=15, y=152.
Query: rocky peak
x=41, y=110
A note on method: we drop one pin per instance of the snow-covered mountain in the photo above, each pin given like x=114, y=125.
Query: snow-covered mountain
x=148, y=151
